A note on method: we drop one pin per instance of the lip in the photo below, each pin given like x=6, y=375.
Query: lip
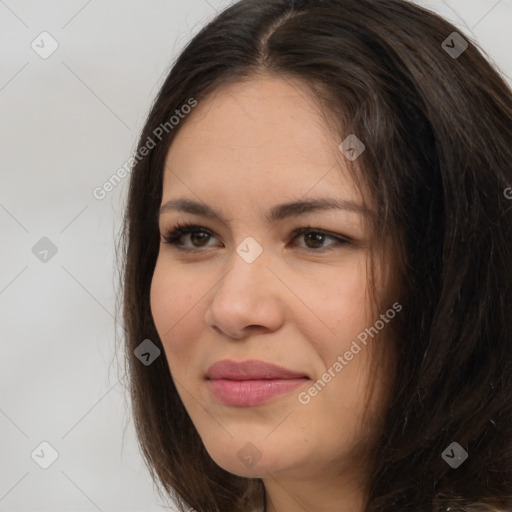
x=252, y=369
x=252, y=382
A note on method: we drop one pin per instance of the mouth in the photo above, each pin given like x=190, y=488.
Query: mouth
x=251, y=382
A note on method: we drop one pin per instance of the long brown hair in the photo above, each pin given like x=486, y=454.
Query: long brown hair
x=437, y=129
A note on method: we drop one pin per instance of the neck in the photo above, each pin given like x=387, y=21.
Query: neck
x=339, y=494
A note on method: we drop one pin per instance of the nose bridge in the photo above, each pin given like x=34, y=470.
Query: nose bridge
x=248, y=271
x=242, y=297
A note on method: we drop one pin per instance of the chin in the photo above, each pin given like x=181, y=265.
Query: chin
x=233, y=465
x=240, y=456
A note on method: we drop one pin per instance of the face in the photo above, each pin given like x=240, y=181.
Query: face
x=248, y=288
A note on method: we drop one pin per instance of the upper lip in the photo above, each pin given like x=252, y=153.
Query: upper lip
x=250, y=370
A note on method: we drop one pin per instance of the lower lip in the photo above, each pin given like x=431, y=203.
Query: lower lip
x=245, y=393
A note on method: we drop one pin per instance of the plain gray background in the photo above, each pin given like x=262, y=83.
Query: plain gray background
x=68, y=122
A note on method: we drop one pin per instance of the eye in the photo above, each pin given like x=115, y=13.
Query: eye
x=173, y=236
x=200, y=235
x=315, y=237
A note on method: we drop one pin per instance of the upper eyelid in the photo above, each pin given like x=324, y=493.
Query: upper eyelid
x=297, y=232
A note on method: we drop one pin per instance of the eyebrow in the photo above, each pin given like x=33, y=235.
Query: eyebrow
x=275, y=214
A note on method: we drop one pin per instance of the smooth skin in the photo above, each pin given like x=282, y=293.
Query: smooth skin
x=249, y=147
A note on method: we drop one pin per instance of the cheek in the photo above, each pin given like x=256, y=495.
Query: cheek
x=162, y=302
x=174, y=309
x=339, y=306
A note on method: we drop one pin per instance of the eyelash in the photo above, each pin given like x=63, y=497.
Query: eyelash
x=172, y=236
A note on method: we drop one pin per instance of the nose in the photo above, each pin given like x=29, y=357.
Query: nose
x=246, y=300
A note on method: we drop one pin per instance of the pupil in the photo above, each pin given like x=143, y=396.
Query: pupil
x=198, y=235
x=317, y=236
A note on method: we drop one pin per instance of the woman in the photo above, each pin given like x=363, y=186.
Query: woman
x=318, y=243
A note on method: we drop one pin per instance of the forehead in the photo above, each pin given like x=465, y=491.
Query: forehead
x=264, y=137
